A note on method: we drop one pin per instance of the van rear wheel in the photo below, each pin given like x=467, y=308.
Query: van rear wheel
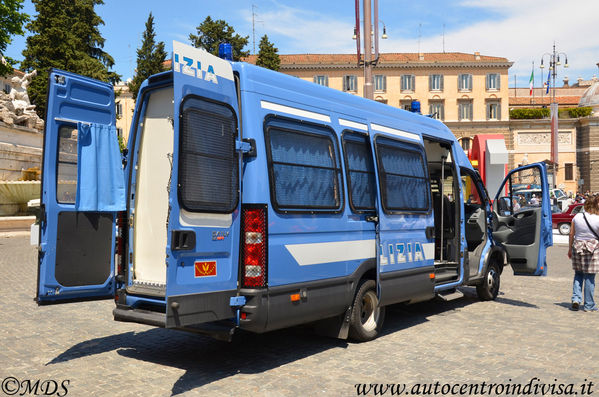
x=489, y=288
x=367, y=317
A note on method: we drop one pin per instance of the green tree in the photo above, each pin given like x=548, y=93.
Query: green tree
x=267, y=55
x=11, y=23
x=65, y=35
x=211, y=33
x=150, y=57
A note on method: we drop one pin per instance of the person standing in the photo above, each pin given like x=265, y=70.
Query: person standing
x=584, y=252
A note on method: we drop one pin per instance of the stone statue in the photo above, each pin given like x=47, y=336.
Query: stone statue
x=15, y=108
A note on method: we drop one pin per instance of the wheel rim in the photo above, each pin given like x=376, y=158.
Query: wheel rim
x=564, y=229
x=369, y=314
x=492, y=280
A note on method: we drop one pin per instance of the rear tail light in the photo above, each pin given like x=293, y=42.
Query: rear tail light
x=254, y=243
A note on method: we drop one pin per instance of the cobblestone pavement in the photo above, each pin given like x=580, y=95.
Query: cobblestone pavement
x=528, y=332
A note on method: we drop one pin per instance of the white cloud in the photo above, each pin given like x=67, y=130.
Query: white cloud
x=522, y=32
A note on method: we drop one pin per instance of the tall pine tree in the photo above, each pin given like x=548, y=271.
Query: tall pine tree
x=150, y=57
x=212, y=33
x=267, y=55
x=65, y=35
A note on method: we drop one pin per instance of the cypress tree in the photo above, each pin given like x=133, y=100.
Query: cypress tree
x=150, y=57
x=212, y=33
x=65, y=35
x=267, y=55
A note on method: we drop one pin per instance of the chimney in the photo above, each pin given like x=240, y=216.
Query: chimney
x=566, y=81
x=420, y=56
x=477, y=56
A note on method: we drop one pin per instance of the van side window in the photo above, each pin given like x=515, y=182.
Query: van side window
x=208, y=161
x=360, y=171
x=304, y=166
x=403, y=176
x=66, y=164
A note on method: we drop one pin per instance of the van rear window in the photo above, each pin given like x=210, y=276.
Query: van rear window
x=304, y=166
x=403, y=176
x=208, y=161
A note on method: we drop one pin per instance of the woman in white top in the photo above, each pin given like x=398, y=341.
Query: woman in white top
x=584, y=252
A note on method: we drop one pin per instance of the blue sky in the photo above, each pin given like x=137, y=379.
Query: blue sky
x=520, y=30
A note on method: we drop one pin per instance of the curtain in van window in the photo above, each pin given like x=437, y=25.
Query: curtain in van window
x=100, y=175
x=403, y=178
x=305, y=174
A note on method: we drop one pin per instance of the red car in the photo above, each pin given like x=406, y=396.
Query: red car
x=562, y=220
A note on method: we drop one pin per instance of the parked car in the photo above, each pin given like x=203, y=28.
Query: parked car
x=562, y=220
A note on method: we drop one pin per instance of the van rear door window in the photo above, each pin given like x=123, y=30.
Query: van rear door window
x=403, y=176
x=208, y=161
x=304, y=166
x=360, y=171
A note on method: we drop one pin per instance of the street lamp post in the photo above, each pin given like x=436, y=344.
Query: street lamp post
x=368, y=61
x=554, y=62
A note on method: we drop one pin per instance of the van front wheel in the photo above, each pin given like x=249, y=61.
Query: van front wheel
x=367, y=317
x=489, y=288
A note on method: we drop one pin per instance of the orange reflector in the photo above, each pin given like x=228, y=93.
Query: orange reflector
x=541, y=267
x=431, y=275
x=474, y=163
x=295, y=297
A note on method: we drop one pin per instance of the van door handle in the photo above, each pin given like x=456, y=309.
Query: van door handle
x=372, y=218
x=430, y=232
x=183, y=240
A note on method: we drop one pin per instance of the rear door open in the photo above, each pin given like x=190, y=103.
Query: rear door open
x=204, y=218
x=76, y=240
x=521, y=225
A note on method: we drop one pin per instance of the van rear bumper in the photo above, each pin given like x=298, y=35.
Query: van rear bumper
x=129, y=315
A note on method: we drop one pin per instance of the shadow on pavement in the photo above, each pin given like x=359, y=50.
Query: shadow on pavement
x=206, y=360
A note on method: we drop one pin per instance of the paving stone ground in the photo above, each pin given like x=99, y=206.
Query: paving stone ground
x=528, y=332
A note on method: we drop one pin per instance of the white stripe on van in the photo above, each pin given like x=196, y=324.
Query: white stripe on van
x=295, y=111
x=353, y=124
x=393, y=131
x=316, y=253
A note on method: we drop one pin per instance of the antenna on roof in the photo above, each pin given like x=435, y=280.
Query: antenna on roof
x=443, y=38
x=254, y=26
x=419, y=34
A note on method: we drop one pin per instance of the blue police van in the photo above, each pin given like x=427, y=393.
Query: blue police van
x=252, y=199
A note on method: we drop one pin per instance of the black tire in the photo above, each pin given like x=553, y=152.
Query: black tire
x=366, y=318
x=489, y=288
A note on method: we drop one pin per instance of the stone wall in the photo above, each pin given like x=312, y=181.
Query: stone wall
x=20, y=149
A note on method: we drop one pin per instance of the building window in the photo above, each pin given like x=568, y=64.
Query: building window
x=408, y=82
x=7, y=88
x=380, y=82
x=436, y=110
x=464, y=110
x=465, y=82
x=119, y=109
x=435, y=82
x=493, y=110
x=350, y=83
x=466, y=143
x=569, y=171
x=119, y=132
x=322, y=80
x=406, y=104
x=493, y=81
